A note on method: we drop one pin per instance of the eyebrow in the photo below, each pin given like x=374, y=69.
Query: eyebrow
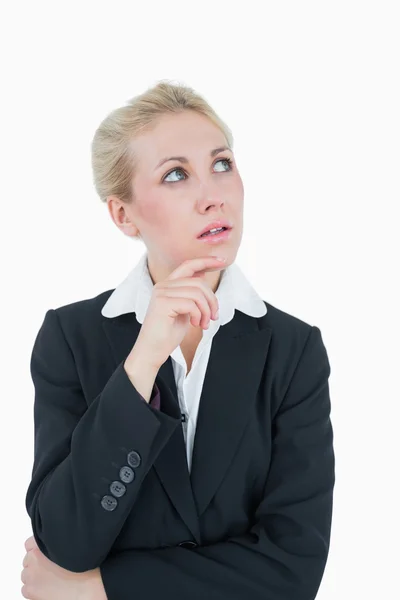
x=183, y=159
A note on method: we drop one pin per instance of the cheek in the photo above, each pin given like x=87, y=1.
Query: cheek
x=153, y=213
x=162, y=225
x=237, y=193
x=239, y=186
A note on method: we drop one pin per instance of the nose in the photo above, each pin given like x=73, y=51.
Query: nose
x=209, y=196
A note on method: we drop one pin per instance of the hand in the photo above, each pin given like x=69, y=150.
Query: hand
x=44, y=580
x=176, y=302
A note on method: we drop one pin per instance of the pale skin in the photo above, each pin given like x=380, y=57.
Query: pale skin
x=44, y=580
x=168, y=215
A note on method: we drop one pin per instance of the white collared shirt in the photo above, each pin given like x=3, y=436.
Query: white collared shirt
x=133, y=294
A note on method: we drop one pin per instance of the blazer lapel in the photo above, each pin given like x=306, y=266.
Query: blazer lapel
x=237, y=360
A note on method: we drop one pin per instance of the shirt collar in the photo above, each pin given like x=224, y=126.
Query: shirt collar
x=133, y=294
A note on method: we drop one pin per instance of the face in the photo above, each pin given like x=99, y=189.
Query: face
x=176, y=200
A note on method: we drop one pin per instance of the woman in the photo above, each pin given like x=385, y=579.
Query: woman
x=183, y=442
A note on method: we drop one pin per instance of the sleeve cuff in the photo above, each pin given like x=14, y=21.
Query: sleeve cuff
x=155, y=399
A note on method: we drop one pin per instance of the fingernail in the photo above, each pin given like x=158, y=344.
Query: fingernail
x=217, y=314
x=221, y=259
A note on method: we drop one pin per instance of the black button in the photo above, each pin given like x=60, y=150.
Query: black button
x=188, y=544
x=134, y=459
x=117, y=489
x=109, y=503
x=126, y=474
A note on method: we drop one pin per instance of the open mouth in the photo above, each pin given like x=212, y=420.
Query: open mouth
x=215, y=231
x=218, y=235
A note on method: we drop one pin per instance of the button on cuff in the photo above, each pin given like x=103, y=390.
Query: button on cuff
x=126, y=474
x=109, y=503
x=134, y=459
x=117, y=488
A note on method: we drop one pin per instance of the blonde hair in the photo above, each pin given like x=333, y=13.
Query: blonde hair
x=113, y=160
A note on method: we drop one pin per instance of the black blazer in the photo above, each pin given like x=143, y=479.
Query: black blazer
x=110, y=484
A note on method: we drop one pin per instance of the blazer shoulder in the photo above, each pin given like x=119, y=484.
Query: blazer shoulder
x=80, y=321
x=289, y=333
x=293, y=341
x=283, y=322
x=87, y=308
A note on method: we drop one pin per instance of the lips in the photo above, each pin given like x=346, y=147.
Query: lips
x=215, y=225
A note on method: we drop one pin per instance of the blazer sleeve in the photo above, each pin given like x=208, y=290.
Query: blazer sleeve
x=79, y=450
x=283, y=555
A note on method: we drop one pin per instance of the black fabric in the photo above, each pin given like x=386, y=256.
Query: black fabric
x=257, y=505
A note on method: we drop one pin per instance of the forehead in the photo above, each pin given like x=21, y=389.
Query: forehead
x=187, y=133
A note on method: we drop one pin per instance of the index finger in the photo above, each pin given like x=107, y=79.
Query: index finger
x=193, y=265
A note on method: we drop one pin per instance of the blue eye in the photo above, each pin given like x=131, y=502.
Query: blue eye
x=227, y=160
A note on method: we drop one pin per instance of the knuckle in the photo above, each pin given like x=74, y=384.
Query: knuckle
x=35, y=554
x=198, y=294
x=27, y=592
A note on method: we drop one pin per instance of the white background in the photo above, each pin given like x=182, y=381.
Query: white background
x=311, y=93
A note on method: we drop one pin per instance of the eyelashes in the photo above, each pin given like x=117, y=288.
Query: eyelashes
x=227, y=160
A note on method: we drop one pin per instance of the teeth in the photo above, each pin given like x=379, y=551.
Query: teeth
x=216, y=229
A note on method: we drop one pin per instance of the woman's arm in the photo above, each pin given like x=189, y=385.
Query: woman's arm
x=283, y=556
x=78, y=449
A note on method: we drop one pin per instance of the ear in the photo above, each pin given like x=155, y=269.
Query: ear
x=122, y=217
